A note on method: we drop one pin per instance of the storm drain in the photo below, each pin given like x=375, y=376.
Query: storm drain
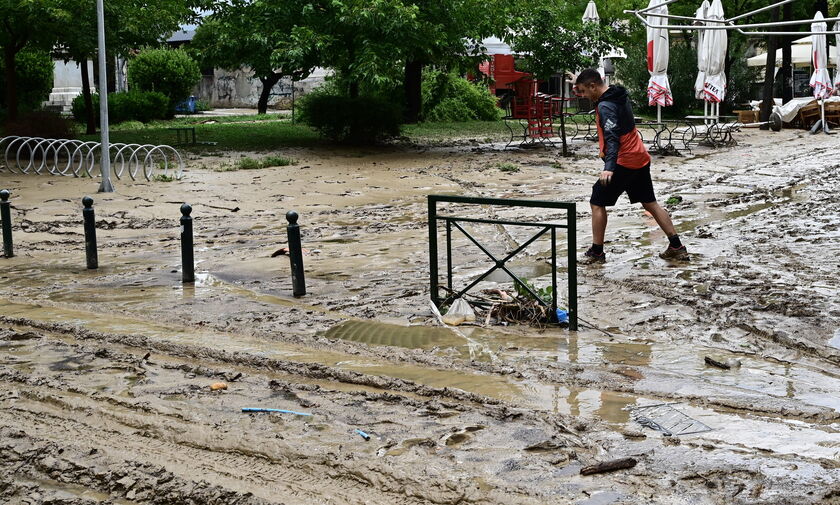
x=665, y=418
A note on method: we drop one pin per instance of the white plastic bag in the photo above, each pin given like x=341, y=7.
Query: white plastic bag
x=459, y=312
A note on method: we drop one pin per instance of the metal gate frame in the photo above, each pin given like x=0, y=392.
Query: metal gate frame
x=452, y=221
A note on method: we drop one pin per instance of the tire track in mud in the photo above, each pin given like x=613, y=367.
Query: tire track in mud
x=186, y=448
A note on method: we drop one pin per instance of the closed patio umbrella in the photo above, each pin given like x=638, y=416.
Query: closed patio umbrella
x=590, y=15
x=820, y=79
x=591, y=12
x=702, y=58
x=715, y=42
x=659, y=89
x=837, y=55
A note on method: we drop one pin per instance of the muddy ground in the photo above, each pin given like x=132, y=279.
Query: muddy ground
x=105, y=375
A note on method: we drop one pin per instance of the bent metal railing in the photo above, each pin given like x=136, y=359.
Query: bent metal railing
x=452, y=221
x=78, y=158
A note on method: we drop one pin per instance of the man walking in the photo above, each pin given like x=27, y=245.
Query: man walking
x=626, y=166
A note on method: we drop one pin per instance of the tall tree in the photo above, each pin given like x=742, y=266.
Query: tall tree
x=445, y=33
x=24, y=23
x=361, y=39
x=552, y=38
x=245, y=33
x=128, y=25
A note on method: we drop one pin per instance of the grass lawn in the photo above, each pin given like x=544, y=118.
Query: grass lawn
x=232, y=133
x=271, y=132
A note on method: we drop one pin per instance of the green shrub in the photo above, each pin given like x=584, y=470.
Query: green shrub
x=248, y=164
x=448, y=97
x=34, y=73
x=169, y=71
x=362, y=120
x=508, y=167
x=143, y=106
x=202, y=106
x=277, y=161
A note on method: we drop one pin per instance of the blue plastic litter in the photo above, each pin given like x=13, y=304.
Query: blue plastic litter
x=562, y=316
x=363, y=434
x=187, y=105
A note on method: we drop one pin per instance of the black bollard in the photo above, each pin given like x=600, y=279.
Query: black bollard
x=295, y=254
x=187, y=259
x=6, y=217
x=90, y=233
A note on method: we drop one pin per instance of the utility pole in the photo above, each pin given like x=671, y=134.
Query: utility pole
x=105, y=147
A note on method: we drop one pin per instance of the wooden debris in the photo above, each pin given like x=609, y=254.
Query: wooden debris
x=608, y=466
x=713, y=362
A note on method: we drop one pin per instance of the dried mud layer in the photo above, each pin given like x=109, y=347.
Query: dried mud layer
x=106, y=375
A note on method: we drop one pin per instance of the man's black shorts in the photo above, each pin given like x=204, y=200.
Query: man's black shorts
x=636, y=182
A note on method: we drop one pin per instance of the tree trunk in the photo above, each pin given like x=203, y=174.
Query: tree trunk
x=268, y=82
x=11, y=82
x=562, y=116
x=767, y=101
x=90, y=114
x=413, y=91
x=787, y=69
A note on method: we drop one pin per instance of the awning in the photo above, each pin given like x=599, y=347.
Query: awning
x=800, y=55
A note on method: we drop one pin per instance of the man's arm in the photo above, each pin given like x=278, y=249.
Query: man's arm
x=608, y=112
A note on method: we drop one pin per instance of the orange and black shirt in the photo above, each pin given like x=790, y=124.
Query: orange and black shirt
x=618, y=138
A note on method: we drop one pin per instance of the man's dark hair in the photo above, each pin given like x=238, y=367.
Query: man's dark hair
x=590, y=75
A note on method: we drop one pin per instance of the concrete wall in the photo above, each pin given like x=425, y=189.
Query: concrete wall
x=241, y=89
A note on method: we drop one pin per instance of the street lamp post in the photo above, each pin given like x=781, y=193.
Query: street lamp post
x=105, y=163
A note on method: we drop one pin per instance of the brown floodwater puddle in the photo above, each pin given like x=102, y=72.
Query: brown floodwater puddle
x=783, y=380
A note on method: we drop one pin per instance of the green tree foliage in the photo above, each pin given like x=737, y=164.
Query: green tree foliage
x=143, y=106
x=245, y=33
x=449, y=97
x=386, y=43
x=34, y=72
x=552, y=38
x=26, y=24
x=359, y=120
x=128, y=25
x=169, y=71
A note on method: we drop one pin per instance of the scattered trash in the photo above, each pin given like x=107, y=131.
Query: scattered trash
x=562, y=316
x=279, y=411
x=218, y=386
x=674, y=200
x=665, y=418
x=714, y=362
x=459, y=312
x=363, y=434
x=284, y=251
x=608, y=466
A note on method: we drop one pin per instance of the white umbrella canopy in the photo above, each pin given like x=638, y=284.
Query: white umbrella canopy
x=659, y=89
x=837, y=55
x=715, y=42
x=590, y=15
x=702, y=57
x=591, y=12
x=820, y=79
